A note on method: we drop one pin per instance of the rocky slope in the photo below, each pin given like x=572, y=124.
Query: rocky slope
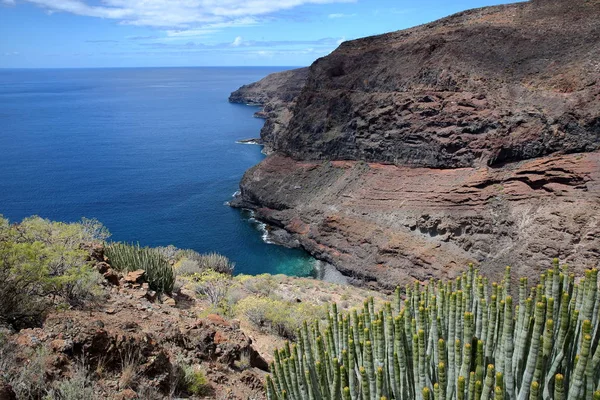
x=276, y=95
x=130, y=345
x=447, y=115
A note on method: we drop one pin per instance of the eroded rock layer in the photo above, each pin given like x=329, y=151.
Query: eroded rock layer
x=393, y=224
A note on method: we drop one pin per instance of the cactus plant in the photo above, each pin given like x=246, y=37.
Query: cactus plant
x=126, y=257
x=544, y=347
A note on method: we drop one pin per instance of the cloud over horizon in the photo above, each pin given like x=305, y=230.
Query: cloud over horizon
x=175, y=14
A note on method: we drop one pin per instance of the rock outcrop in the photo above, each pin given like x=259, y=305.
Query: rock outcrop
x=472, y=138
x=276, y=94
x=393, y=224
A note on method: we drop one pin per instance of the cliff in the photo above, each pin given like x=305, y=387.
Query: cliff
x=276, y=94
x=485, y=86
x=469, y=139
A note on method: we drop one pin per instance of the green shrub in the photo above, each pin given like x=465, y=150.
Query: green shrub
x=280, y=317
x=42, y=265
x=126, y=257
x=188, y=379
x=195, y=381
x=460, y=339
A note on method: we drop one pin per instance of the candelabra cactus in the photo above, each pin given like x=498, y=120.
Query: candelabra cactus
x=453, y=340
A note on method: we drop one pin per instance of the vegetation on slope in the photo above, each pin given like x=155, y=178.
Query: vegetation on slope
x=454, y=340
x=126, y=257
x=44, y=264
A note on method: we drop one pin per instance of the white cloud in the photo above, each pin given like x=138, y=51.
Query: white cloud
x=237, y=42
x=175, y=13
x=336, y=16
x=187, y=33
x=8, y=2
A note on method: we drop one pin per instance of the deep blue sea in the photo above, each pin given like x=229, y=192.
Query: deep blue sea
x=149, y=152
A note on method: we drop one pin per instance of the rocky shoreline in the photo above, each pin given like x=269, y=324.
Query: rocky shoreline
x=408, y=155
x=275, y=95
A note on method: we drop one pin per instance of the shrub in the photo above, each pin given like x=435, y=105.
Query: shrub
x=130, y=368
x=77, y=387
x=188, y=379
x=126, y=257
x=29, y=381
x=280, y=317
x=7, y=356
x=188, y=267
x=244, y=362
x=170, y=252
x=195, y=381
x=216, y=262
x=262, y=285
x=41, y=264
x=92, y=230
x=213, y=261
x=213, y=285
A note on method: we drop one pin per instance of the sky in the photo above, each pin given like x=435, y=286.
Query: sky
x=160, y=33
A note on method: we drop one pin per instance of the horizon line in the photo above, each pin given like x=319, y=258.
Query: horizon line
x=175, y=66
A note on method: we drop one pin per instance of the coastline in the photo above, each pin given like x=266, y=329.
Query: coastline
x=254, y=141
x=276, y=235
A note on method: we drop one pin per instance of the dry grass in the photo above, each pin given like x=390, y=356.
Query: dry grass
x=130, y=362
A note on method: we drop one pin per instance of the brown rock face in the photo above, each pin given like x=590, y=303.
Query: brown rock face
x=489, y=85
x=394, y=224
x=470, y=139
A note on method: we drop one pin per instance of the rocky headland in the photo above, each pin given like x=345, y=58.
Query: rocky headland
x=473, y=138
x=276, y=95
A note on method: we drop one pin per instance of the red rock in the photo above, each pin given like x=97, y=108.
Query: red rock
x=220, y=338
x=397, y=224
x=59, y=345
x=135, y=276
x=217, y=319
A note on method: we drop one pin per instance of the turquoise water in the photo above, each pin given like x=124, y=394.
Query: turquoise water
x=149, y=152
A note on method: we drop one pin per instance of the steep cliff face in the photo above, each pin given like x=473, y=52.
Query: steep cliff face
x=392, y=224
x=276, y=94
x=484, y=86
x=472, y=138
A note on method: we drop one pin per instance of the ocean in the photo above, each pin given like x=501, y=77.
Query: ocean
x=150, y=152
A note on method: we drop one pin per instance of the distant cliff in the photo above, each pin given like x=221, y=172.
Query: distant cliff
x=276, y=94
x=406, y=154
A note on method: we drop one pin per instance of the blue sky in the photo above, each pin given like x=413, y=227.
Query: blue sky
x=139, y=33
